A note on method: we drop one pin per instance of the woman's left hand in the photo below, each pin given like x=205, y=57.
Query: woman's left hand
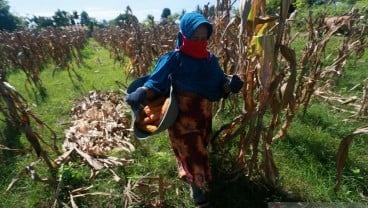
x=235, y=84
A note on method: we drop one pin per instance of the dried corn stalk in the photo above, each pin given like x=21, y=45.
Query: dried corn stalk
x=17, y=114
x=147, y=190
x=273, y=83
x=141, y=45
x=32, y=50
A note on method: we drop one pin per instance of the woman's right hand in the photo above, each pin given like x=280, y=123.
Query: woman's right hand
x=136, y=98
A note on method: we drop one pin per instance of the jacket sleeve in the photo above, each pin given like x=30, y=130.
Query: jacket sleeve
x=223, y=90
x=159, y=79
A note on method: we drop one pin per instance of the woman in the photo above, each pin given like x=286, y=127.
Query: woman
x=198, y=81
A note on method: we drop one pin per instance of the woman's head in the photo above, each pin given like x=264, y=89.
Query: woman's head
x=195, y=30
x=192, y=21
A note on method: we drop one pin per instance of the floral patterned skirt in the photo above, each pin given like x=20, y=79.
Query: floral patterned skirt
x=189, y=137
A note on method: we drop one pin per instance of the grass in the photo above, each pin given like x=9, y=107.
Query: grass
x=305, y=158
x=308, y=156
x=54, y=110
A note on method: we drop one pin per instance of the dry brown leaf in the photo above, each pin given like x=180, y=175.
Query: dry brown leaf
x=343, y=151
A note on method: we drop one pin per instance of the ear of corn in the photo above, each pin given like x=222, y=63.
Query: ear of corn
x=151, y=115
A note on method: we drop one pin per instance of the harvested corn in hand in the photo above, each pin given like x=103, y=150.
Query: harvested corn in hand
x=151, y=115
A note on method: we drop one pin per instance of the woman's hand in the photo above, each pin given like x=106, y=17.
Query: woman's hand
x=136, y=98
x=235, y=84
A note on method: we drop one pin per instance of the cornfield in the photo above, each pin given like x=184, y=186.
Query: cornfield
x=254, y=45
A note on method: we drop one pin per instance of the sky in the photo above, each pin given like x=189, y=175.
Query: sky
x=103, y=9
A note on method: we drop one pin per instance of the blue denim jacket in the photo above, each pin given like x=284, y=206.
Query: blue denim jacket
x=201, y=76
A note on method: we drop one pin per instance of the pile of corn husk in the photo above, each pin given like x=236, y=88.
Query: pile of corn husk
x=100, y=126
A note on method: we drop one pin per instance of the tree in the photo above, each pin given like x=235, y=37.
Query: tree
x=74, y=17
x=103, y=24
x=61, y=18
x=150, y=20
x=211, y=11
x=84, y=18
x=41, y=22
x=166, y=12
x=7, y=20
x=125, y=19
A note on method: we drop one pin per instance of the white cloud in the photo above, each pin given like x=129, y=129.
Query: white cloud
x=142, y=14
x=37, y=14
x=102, y=14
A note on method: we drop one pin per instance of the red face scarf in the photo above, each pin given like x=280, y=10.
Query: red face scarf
x=195, y=49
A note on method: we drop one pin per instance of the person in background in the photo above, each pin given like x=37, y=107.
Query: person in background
x=198, y=81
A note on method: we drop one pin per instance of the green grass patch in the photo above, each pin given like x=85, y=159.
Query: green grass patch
x=307, y=157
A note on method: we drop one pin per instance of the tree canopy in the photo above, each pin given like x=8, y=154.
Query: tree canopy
x=41, y=22
x=165, y=13
x=126, y=18
x=61, y=18
x=84, y=18
x=7, y=20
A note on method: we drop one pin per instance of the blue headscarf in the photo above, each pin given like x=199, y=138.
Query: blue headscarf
x=189, y=23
